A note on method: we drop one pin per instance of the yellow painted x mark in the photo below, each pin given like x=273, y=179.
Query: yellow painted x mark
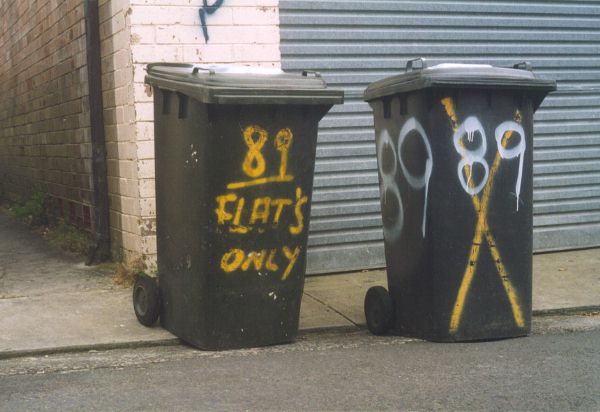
x=482, y=230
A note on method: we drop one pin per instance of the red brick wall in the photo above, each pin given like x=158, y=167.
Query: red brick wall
x=44, y=110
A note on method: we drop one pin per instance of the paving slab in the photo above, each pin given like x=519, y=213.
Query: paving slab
x=345, y=293
x=566, y=280
x=72, y=320
x=317, y=315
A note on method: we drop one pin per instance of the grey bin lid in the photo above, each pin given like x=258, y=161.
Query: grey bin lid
x=237, y=84
x=448, y=75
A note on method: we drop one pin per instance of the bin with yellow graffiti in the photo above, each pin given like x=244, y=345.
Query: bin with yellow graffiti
x=235, y=154
x=454, y=148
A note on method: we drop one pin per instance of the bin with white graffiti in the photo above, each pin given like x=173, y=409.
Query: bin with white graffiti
x=454, y=150
x=235, y=154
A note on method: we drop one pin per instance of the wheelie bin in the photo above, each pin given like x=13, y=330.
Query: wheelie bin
x=454, y=150
x=235, y=154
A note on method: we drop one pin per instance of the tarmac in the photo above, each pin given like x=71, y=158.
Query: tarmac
x=50, y=302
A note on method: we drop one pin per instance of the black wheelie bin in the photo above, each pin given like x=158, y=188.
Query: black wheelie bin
x=235, y=154
x=454, y=150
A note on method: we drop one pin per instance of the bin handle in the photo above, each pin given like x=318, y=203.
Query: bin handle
x=198, y=68
x=305, y=73
x=522, y=66
x=409, y=64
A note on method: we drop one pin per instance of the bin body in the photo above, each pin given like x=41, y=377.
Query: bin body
x=233, y=192
x=454, y=147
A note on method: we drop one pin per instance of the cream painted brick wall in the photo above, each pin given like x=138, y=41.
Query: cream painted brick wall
x=121, y=130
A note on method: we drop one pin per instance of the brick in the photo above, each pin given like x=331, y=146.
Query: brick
x=244, y=35
x=143, y=35
x=126, y=223
x=148, y=245
x=211, y=53
x=123, y=187
x=145, y=150
x=144, y=131
x=250, y=53
x=255, y=16
x=146, y=169
x=142, y=53
x=139, y=72
x=125, y=205
x=142, y=93
x=148, y=207
x=161, y=15
x=144, y=111
x=147, y=188
x=131, y=241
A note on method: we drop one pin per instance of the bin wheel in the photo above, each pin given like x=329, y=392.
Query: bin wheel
x=145, y=300
x=379, y=310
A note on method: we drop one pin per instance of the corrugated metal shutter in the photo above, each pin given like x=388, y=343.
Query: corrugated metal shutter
x=353, y=43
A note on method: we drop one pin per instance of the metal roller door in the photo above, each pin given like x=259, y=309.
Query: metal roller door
x=353, y=43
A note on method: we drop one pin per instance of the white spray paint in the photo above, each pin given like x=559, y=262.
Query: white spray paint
x=388, y=183
x=471, y=156
x=417, y=182
x=518, y=150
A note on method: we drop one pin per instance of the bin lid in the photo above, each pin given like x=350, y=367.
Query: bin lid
x=237, y=84
x=449, y=75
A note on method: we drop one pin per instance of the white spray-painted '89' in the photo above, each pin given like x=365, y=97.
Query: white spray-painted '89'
x=469, y=127
x=389, y=185
x=517, y=150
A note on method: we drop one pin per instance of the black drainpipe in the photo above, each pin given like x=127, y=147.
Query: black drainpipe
x=99, y=250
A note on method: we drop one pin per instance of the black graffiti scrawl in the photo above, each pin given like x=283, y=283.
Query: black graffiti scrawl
x=207, y=10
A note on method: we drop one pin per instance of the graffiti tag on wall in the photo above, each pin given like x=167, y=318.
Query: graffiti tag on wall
x=205, y=11
x=241, y=213
x=389, y=186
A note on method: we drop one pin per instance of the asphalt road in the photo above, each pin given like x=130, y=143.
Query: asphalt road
x=555, y=369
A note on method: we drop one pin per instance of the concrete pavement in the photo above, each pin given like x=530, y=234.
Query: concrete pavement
x=51, y=302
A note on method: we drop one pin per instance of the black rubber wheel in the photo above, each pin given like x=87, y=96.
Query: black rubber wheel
x=379, y=310
x=145, y=300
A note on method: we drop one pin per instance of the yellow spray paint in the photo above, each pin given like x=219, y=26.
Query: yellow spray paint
x=254, y=162
x=232, y=260
x=260, y=181
x=300, y=201
x=283, y=141
x=237, y=228
x=279, y=204
x=238, y=259
x=482, y=230
x=271, y=266
x=254, y=258
x=261, y=210
x=292, y=257
x=222, y=214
